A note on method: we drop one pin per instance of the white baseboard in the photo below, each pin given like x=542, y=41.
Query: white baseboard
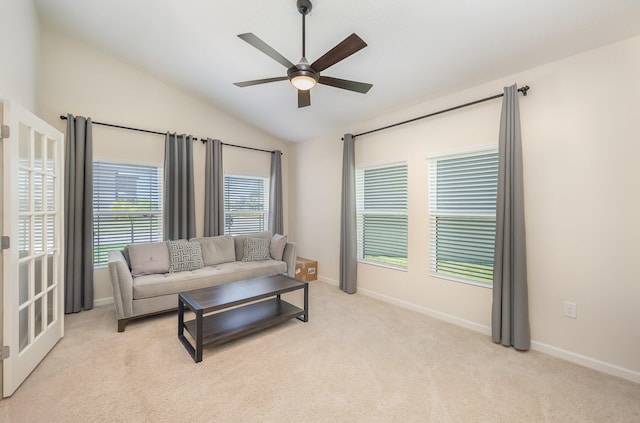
x=328, y=280
x=585, y=361
x=572, y=357
x=429, y=312
x=102, y=301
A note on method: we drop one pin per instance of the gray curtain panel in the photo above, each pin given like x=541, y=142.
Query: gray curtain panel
x=510, y=311
x=213, y=189
x=78, y=216
x=276, y=219
x=348, y=234
x=179, y=221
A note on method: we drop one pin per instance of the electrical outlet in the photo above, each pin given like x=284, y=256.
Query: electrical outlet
x=570, y=309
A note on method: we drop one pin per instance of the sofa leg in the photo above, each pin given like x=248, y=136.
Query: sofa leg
x=121, y=324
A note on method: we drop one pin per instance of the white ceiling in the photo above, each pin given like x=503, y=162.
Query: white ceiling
x=417, y=49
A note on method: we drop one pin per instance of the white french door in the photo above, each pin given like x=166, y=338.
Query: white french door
x=33, y=313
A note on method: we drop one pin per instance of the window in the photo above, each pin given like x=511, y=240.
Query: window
x=127, y=207
x=381, y=212
x=462, y=209
x=246, y=204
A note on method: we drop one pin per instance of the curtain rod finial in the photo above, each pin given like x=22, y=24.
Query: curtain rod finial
x=524, y=90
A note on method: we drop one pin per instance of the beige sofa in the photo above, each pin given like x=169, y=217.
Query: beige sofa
x=147, y=278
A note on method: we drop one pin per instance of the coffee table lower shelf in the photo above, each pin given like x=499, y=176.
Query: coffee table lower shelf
x=231, y=324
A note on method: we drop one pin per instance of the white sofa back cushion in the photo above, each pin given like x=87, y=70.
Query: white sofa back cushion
x=217, y=249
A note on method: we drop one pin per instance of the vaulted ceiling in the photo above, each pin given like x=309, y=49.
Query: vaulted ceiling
x=417, y=49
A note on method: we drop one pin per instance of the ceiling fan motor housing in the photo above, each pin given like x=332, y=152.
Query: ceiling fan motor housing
x=302, y=69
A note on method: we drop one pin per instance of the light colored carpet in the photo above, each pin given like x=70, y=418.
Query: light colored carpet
x=357, y=359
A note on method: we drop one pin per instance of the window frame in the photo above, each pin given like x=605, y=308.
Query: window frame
x=266, y=183
x=480, y=218
x=362, y=211
x=156, y=212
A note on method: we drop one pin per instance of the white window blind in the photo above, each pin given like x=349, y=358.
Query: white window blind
x=462, y=208
x=246, y=204
x=127, y=207
x=381, y=213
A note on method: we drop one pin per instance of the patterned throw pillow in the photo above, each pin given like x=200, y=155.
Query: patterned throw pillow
x=185, y=255
x=256, y=249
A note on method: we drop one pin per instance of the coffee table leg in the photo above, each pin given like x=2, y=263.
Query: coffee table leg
x=198, y=357
x=180, y=318
x=306, y=302
x=181, y=337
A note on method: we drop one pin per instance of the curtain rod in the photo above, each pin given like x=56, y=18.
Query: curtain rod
x=523, y=90
x=164, y=133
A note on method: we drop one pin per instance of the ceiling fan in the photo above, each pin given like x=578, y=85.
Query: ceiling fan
x=302, y=75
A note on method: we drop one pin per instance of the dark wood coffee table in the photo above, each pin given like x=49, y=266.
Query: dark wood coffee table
x=216, y=328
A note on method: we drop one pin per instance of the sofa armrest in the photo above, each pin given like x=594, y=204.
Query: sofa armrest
x=289, y=256
x=122, y=283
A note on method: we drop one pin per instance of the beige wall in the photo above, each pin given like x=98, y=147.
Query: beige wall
x=581, y=146
x=19, y=47
x=78, y=79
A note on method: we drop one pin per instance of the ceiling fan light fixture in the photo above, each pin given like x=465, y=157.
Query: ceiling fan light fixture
x=302, y=77
x=303, y=82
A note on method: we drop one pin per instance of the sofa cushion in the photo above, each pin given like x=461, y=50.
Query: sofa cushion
x=149, y=259
x=276, y=248
x=185, y=255
x=256, y=249
x=150, y=286
x=217, y=249
x=239, y=241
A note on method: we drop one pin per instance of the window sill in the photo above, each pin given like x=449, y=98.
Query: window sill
x=461, y=280
x=386, y=266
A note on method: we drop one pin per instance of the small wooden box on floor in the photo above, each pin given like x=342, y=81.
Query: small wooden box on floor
x=306, y=270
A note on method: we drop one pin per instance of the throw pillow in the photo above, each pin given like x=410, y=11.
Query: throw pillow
x=239, y=241
x=217, y=249
x=256, y=249
x=276, y=248
x=185, y=255
x=148, y=259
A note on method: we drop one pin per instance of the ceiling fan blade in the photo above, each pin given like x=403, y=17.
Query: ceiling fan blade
x=266, y=49
x=344, y=49
x=304, y=98
x=359, y=87
x=260, y=81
